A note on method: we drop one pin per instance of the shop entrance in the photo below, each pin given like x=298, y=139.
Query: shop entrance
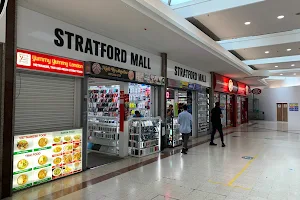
x=104, y=116
x=282, y=112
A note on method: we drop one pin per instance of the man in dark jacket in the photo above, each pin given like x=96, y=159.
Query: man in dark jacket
x=216, y=115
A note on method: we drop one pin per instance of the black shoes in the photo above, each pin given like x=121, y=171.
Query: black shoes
x=212, y=144
x=184, y=151
x=223, y=145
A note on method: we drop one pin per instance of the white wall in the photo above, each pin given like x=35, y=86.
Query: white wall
x=270, y=96
x=2, y=28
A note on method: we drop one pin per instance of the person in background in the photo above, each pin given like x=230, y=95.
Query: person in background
x=170, y=112
x=137, y=114
x=216, y=115
x=185, y=121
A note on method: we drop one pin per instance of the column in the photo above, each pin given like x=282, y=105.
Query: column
x=8, y=102
x=162, y=103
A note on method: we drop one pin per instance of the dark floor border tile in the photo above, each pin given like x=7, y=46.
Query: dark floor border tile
x=85, y=184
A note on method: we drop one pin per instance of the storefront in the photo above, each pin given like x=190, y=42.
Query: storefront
x=232, y=96
x=117, y=96
x=187, y=86
x=62, y=114
x=47, y=136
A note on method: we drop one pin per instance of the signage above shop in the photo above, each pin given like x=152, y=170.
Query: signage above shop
x=179, y=71
x=48, y=63
x=184, y=85
x=94, y=47
x=105, y=71
x=227, y=85
x=149, y=78
x=256, y=91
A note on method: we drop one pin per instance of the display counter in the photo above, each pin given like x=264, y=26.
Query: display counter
x=174, y=136
x=144, y=136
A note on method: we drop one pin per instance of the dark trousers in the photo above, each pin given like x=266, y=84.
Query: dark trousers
x=216, y=127
x=185, y=139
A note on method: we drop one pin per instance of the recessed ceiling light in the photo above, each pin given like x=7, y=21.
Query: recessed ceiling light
x=281, y=74
x=289, y=50
x=295, y=74
x=267, y=52
x=280, y=17
x=293, y=65
x=247, y=23
x=276, y=66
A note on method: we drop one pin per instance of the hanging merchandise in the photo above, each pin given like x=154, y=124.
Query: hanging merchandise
x=103, y=118
x=203, y=112
x=140, y=99
x=144, y=136
x=174, y=136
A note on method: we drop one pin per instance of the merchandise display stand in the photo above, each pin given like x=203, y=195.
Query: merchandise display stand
x=144, y=136
x=203, y=112
x=103, y=119
x=174, y=136
x=139, y=99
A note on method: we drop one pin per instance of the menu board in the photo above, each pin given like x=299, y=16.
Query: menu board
x=43, y=157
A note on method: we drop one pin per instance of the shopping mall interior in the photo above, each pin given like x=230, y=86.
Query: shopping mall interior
x=120, y=99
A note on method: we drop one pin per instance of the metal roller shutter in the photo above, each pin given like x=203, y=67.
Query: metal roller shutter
x=44, y=102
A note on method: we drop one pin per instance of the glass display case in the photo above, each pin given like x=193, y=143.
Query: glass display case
x=144, y=136
x=173, y=134
x=223, y=108
x=203, y=112
x=239, y=110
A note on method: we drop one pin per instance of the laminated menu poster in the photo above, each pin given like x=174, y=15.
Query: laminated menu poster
x=294, y=107
x=43, y=157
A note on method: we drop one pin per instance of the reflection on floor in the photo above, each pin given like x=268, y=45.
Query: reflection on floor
x=97, y=159
x=260, y=162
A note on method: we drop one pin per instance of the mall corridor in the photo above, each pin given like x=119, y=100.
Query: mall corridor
x=261, y=161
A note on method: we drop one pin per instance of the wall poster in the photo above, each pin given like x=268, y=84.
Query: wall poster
x=294, y=107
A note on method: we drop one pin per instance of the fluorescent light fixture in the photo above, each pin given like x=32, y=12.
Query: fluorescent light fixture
x=267, y=52
x=289, y=50
x=276, y=66
x=295, y=74
x=247, y=23
x=280, y=17
x=281, y=74
x=293, y=65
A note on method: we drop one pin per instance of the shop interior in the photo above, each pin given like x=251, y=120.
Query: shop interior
x=104, y=120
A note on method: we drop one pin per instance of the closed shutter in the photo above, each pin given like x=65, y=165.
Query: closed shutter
x=44, y=102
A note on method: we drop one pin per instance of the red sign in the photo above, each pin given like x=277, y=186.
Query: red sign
x=256, y=91
x=47, y=63
x=122, y=110
x=227, y=85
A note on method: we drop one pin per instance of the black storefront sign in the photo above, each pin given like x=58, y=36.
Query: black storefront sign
x=93, y=47
x=179, y=71
x=106, y=71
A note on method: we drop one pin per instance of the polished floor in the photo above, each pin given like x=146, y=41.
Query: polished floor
x=261, y=161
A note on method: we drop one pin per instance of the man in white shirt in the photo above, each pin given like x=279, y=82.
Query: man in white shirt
x=185, y=121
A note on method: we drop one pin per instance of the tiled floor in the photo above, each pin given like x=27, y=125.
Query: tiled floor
x=206, y=173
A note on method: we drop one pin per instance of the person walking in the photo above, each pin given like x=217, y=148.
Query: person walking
x=185, y=128
x=216, y=115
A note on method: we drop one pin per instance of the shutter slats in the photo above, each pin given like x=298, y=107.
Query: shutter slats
x=44, y=103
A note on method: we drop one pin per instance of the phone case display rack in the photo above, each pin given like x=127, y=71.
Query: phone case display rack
x=174, y=136
x=223, y=105
x=103, y=119
x=239, y=109
x=139, y=99
x=144, y=136
x=203, y=112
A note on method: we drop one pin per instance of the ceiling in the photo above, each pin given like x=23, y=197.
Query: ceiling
x=119, y=21
x=265, y=40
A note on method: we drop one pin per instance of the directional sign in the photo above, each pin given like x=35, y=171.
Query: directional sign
x=256, y=91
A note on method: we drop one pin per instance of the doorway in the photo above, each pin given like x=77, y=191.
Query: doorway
x=282, y=112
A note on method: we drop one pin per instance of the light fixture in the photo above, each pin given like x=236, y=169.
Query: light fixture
x=295, y=74
x=289, y=50
x=247, y=23
x=276, y=66
x=293, y=65
x=267, y=52
x=281, y=74
x=280, y=17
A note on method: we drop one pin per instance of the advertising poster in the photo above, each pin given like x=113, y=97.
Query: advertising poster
x=43, y=157
x=294, y=107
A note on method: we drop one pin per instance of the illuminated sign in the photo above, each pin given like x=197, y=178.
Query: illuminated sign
x=48, y=63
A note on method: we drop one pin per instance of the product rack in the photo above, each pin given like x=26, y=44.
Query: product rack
x=144, y=136
x=174, y=136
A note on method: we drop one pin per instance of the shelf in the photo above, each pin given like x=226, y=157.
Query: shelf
x=106, y=117
x=104, y=124
x=104, y=142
